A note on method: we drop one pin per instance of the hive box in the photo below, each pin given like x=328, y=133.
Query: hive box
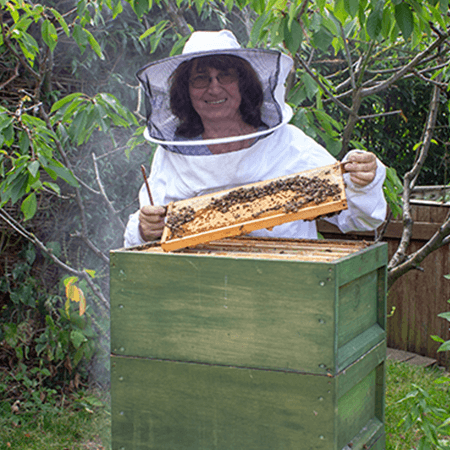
x=249, y=344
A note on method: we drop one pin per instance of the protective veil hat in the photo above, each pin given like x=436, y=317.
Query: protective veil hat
x=271, y=66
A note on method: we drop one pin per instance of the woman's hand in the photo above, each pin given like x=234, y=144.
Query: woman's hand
x=362, y=167
x=151, y=222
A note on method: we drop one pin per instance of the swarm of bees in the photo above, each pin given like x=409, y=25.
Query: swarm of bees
x=299, y=192
x=176, y=221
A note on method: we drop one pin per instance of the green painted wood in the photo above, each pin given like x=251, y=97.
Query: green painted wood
x=174, y=405
x=379, y=444
x=382, y=297
x=361, y=397
x=358, y=309
x=361, y=316
x=358, y=370
x=371, y=437
x=359, y=264
x=290, y=315
x=171, y=405
x=360, y=345
x=253, y=313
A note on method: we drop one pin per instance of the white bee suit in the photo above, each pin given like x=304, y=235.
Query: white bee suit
x=185, y=168
x=286, y=151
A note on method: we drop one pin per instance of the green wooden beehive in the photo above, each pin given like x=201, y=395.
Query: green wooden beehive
x=249, y=344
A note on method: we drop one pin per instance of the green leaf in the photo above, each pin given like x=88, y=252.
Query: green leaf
x=29, y=206
x=118, y=8
x=310, y=85
x=340, y=11
x=17, y=189
x=445, y=315
x=444, y=6
x=444, y=347
x=292, y=36
x=94, y=44
x=60, y=20
x=24, y=142
x=178, y=46
x=67, y=99
x=59, y=170
x=351, y=6
x=404, y=18
x=77, y=338
x=29, y=47
x=322, y=39
x=256, y=29
x=33, y=168
x=52, y=186
x=49, y=34
x=374, y=24
x=259, y=6
x=80, y=37
x=140, y=7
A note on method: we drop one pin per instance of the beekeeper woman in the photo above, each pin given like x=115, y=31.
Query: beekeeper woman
x=219, y=115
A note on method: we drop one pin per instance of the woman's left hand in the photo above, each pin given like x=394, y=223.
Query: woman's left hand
x=362, y=167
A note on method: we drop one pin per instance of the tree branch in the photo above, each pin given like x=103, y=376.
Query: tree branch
x=439, y=239
x=78, y=197
x=35, y=241
x=109, y=205
x=405, y=69
x=177, y=16
x=408, y=183
x=348, y=57
x=323, y=87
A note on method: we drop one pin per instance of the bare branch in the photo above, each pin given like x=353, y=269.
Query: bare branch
x=78, y=196
x=348, y=57
x=429, y=80
x=15, y=75
x=439, y=239
x=109, y=205
x=323, y=87
x=35, y=241
x=374, y=116
x=407, y=68
x=177, y=16
x=408, y=183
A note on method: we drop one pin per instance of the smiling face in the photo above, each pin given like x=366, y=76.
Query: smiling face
x=219, y=101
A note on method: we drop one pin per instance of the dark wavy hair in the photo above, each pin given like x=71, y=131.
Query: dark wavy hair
x=249, y=87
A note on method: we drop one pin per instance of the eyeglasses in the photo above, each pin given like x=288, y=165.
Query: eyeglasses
x=202, y=81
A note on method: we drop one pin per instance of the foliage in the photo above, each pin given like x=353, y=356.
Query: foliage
x=445, y=345
x=430, y=416
x=83, y=423
x=44, y=350
x=432, y=419
x=413, y=395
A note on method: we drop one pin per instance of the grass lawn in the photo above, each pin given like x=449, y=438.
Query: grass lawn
x=84, y=424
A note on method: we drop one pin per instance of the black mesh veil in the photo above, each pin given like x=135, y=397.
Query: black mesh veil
x=272, y=68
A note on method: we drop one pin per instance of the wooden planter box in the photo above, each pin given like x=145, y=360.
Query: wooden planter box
x=249, y=344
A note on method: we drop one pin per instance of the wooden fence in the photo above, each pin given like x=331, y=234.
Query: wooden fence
x=420, y=295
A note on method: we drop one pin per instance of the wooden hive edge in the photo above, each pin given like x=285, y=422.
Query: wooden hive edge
x=268, y=220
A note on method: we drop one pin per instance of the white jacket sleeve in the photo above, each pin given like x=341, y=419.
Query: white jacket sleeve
x=132, y=235
x=366, y=205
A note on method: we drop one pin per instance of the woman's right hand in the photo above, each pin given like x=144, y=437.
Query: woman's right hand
x=151, y=222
